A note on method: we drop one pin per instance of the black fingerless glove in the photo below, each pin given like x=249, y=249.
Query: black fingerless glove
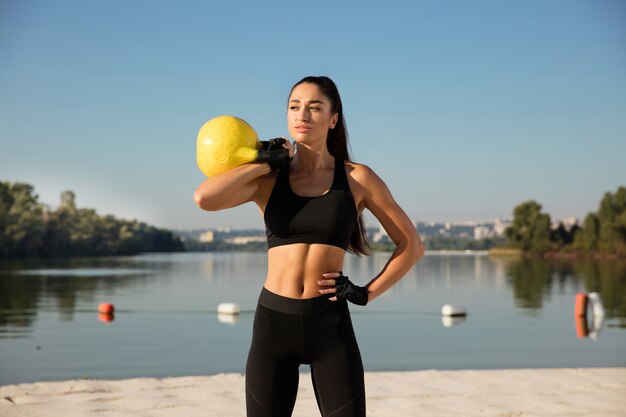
x=273, y=153
x=346, y=290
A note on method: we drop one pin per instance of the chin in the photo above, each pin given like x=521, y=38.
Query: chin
x=299, y=137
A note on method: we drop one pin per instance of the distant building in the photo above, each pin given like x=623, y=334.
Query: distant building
x=499, y=226
x=570, y=222
x=381, y=236
x=462, y=230
x=243, y=240
x=206, y=237
x=482, y=232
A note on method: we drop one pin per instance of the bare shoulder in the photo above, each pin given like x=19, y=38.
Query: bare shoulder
x=364, y=183
x=362, y=175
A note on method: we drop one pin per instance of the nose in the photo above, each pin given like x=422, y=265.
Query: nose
x=303, y=115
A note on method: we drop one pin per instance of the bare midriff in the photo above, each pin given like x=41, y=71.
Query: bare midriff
x=293, y=270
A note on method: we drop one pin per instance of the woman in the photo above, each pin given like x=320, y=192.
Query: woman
x=312, y=207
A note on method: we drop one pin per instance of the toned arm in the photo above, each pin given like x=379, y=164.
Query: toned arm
x=376, y=197
x=232, y=188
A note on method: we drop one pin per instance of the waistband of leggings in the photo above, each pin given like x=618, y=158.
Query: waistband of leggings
x=296, y=305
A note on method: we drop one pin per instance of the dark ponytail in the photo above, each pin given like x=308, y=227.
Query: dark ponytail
x=338, y=146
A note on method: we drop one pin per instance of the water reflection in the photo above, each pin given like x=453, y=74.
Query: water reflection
x=533, y=280
x=219, y=268
x=166, y=322
x=608, y=278
x=449, y=321
x=590, y=328
x=231, y=319
x=63, y=285
x=29, y=286
x=106, y=318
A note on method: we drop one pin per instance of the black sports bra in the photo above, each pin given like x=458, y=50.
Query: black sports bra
x=329, y=219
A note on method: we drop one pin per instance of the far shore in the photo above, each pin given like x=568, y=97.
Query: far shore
x=510, y=252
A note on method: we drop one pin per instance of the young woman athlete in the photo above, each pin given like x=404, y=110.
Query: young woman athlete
x=312, y=205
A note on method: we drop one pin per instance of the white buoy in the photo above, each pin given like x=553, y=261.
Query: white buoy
x=231, y=319
x=228, y=308
x=596, y=304
x=449, y=321
x=453, y=311
x=597, y=310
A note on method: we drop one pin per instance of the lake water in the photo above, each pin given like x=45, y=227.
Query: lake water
x=520, y=315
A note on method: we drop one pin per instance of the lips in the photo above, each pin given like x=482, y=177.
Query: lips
x=302, y=129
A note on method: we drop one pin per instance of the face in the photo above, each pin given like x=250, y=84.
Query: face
x=309, y=114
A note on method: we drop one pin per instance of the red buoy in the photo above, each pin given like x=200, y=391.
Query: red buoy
x=106, y=318
x=582, y=330
x=106, y=308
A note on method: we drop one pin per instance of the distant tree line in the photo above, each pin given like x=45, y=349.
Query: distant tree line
x=602, y=232
x=30, y=228
x=453, y=243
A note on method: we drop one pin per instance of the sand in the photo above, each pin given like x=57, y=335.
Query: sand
x=594, y=392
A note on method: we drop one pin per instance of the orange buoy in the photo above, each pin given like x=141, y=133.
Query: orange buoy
x=581, y=305
x=106, y=308
x=582, y=329
x=106, y=318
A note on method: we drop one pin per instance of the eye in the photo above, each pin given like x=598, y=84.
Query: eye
x=293, y=108
x=315, y=108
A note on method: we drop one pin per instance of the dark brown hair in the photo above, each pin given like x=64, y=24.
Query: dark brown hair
x=338, y=144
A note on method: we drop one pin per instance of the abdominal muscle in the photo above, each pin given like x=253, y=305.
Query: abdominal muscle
x=293, y=270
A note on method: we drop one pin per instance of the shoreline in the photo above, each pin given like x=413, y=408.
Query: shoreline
x=506, y=392
x=517, y=253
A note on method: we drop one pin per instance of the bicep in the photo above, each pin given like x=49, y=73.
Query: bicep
x=229, y=189
x=211, y=201
x=241, y=195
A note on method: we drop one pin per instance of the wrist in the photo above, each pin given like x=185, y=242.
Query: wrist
x=347, y=290
x=275, y=159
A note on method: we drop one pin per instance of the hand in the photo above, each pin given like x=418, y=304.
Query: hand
x=279, y=143
x=343, y=289
x=276, y=152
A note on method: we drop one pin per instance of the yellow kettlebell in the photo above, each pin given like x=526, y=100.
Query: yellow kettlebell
x=225, y=142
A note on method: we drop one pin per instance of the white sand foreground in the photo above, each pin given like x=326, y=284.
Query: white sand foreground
x=597, y=392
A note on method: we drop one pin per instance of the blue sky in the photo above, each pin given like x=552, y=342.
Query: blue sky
x=465, y=109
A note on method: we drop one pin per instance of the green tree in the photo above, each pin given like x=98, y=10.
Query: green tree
x=607, y=217
x=563, y=236
x=5, y=205
x=57, y=239
x=619, y=203
x=68, y=202
x=530, y=228
x=587, y=238
x=612, y=219
x=22, y=225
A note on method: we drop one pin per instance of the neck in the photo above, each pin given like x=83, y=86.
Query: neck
x=312, y=158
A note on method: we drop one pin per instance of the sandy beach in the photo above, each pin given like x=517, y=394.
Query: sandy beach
x=597, y=392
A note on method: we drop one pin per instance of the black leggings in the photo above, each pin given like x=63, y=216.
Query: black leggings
x=289, y=332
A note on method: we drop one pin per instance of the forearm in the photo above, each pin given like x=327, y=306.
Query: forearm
x=230, y=188
x=401, y=261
